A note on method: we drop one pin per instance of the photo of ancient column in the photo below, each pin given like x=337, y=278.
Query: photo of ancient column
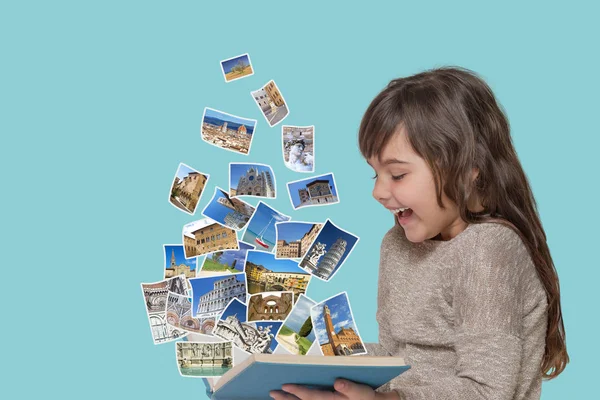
x=251, y=337
x=211, y=295
x=271, y=103
x=187, y=188
x=294, y=238
x=230, y=212
x=297, y=334
x=227, y=131
x=254, y=180
x=270, y=306
x=334, y=326
x=176, y=263
x=260, y=231
x=265, y=273
x=224, y=262
x=328, y=252
x=204, y=359
x=237, y=67
x=207, y=236
x=298, y=148
x=316, y=191
x=155, y=298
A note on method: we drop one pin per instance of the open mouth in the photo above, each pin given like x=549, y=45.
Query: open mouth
x=402, y=213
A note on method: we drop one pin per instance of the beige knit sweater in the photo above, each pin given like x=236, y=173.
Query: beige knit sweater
x=468, y=315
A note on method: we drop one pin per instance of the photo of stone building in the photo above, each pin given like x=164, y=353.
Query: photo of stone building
x=231, y=212
x=211, y=295
x=271, y=103
x=187, y=188
x=316, y=191
x=274, y=306
x=207, y=236
x=199, y=359
x=227, y=131
x=265, y=273
x=179, y=313
x=251, y=180
x=334, y=327
x=177, y=264
x=295, y=246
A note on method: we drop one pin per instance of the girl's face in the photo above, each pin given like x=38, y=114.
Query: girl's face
x=403, y=179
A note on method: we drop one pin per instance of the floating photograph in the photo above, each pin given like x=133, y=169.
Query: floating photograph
x=227, y=131
x=315, y=191
x=176, y=263
x=294, y=238
x=155, y=298
x=271, y=103
x=334, y=327
x=179, y=313
x=328, y=252
x=270, y=306
x=237, y=67
x=260, y=231
x=187, y=188
x=211, y=295
x=207, y=236
x=298, y=148
x=204, y=359
x=231, y=212
x=255, y=180
x=297, y=334
x=223, y=262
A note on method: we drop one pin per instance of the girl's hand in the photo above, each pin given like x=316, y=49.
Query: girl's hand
x=344, y=390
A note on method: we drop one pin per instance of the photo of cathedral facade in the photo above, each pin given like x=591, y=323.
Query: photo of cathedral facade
x=314, y=191
x=210, y=304
x=179, y=313
x=173, y=269
x=254, y=181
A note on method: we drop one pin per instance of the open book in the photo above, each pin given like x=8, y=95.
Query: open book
x=260, y=373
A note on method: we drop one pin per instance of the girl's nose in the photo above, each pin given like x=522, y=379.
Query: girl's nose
x=380, y=191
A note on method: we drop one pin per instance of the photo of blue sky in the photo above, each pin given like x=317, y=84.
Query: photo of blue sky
x=299, y=314
x=328, y=235
x=230, y=255
x=339, y=307
x=217, y=211
x=228, y=64
x=184, y=171
x=292, y=231
x=259, y=220
x=237, y=170
x=201, y=286
x=295, y=186
x=211, y=114
x=179, y=257
x=236, y=308
x=269, y=261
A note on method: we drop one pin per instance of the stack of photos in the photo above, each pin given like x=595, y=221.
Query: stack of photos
x=222, y=262
x=227, y=131
x=328, y=252
x=248, y=293
x=260, y=231
x=206, y=236
x=256, y=180
x=233, y=213
x=298, y=148
x=251, y=337
x=294, y=238
x=201, y=359
x=315, y=191
x=187, y=188
x=334, y=327
x=271, y=103
x=265, y=273
x=237, y=67
x=176, y=263
x=297, y=335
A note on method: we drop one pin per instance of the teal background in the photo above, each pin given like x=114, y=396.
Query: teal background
x=101, y=101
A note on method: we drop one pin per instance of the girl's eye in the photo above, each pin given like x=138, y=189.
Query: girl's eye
x=398, y=177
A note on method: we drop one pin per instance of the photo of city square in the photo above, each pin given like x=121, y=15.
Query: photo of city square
x=207, y=236
x=176, y=263
x=328, y=252
x=294, y=238
x=315, y=191
x=187, y=188
x=297, y=334
x=257, y=180
x=334, y=327
x=251, y=337
x=227, y=131
x=271, y=103
x=233, y=213
x=211, y=295
x=237, y=67
x=204, y=359
x=260, y=231
x=223, y=262
x=265, y=273
x=298, y=148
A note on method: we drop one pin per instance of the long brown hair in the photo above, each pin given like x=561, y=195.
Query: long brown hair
x=453, y=121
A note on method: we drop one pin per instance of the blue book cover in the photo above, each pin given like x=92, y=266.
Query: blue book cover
x=260, y=373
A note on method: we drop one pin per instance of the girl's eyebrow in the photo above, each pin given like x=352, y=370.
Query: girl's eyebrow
x=394, y=161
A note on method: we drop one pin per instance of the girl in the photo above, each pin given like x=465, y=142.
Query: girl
x=468, y=293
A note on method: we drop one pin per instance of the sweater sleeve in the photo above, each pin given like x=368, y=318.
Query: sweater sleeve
x=488, y=296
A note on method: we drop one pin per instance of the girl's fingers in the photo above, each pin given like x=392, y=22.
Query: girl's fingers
x=304, y=393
